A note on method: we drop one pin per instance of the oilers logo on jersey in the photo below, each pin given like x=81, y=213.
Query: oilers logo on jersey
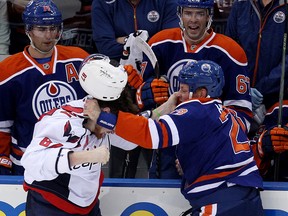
x=52, y=94
x=173, y=73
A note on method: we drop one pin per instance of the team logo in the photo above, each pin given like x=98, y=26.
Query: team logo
x=279, y=17
x=206, y=68
x=153, y=16
x=173, y=73
x=179, y=112
x=144, y=209
x=52, y=94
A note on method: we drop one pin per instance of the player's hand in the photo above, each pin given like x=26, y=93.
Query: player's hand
x=134, y=78
x=273, y=140
x=100, y=155
x=152, y=92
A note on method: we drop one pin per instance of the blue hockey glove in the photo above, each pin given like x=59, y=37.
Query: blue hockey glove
x=152, y=92
x=256, y=97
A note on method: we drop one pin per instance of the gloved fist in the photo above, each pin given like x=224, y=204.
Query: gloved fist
x=134, y=78
x=273, y=140
x=131, y=53
x=152, y=92
x=257, y=98
x=100, y=155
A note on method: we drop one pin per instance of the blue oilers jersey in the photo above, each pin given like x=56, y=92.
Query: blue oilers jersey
x=212, y=146
x=173, y=53
x=28, y=89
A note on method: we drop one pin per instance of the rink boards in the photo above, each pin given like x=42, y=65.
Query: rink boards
x=138, y=197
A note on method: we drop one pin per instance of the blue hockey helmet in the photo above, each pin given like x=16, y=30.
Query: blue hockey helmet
x=42, y=13
x=203, y=73
x=206, y=4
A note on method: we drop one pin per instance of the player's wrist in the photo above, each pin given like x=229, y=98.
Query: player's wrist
x=107, y=120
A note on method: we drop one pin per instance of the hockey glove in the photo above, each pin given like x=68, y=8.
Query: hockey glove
x=131, y=53
x=152, y=92
x=259, y=114
x=134, y=78
x=257, y=98
x=274, y=140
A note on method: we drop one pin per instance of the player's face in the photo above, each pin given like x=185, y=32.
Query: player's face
x=194, y=21
x=44, y=37
x=184, y=92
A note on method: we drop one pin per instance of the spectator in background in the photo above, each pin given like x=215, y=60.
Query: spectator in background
x=4, y=29
x=259, y=26
x=195, y=40
x=42, y=77
x=113, y=23
x=78, y=30
x=18, y=40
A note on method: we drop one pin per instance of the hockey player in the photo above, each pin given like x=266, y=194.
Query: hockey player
x=195, y=40
x=262, y=39
x=42, y=77
x=68, y=147
x=220, y=176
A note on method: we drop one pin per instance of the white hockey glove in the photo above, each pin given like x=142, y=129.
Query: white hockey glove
x=257, y=98
x=259, y=114
x=131, y=53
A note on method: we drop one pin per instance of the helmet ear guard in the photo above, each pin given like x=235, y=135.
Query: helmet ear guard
x=102, y=78
x=203, y=73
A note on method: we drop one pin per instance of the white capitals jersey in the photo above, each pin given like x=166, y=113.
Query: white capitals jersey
x=47, y=168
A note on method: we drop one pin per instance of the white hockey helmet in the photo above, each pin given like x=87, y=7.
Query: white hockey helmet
x=102, y=78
